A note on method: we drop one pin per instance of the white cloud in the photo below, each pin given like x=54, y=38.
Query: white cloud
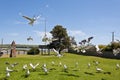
x=20, y=22
x=13, y=34
x=76, y=33
x=46, y=5
x=42, y=34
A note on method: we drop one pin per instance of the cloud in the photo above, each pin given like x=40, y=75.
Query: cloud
x=42, y=34
x=13, y=34
x=20, y=22
x=76, y=33
x=46, y=5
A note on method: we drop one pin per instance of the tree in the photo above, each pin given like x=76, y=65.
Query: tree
x=61, y=37
x=33, y=51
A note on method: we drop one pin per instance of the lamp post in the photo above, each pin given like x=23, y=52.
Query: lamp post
x=45, y=36
x=1, y=44
x=45, y=39
x=112, y=36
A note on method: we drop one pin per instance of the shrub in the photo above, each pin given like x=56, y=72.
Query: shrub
x=33, y=51
x=108, y=48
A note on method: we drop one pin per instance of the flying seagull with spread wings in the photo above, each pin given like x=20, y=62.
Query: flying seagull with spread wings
x=32, y=20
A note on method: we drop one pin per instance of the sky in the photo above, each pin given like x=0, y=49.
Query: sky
x=81, y=18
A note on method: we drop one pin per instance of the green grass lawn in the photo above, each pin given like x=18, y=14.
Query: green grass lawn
x=56, y=72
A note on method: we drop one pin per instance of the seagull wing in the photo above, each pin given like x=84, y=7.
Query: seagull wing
x=36, y=65
x=28, y=18
x=31, y=65
x=55, y=51
x=8, y=70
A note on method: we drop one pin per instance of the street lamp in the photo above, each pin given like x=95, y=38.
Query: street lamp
x=45, y=36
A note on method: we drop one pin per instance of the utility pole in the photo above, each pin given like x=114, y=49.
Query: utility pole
x=112, y=36
x=1, y=44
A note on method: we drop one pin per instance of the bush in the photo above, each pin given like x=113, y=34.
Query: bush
x=33, y=51
x=108, y=48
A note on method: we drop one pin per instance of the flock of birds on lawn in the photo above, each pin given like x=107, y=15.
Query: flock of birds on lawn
x=29, y=68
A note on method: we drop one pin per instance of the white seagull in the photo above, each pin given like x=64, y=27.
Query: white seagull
x=32, y=20
x=27, y=73
x=65, y=67
x=45, y=70
x=8, y=70
x=7, y=74
x=55, y=51
x=83, y=50
x=60, y=63
x=98, y=50
x=14, y=64
x=88, y=65
x=117, y=66
x=44, y=65
x=98, y=69
x=53, y=63
x=96, y=62
x=76, y=64
x=25, y=67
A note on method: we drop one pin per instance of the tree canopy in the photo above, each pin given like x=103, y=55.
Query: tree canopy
x=61, y=37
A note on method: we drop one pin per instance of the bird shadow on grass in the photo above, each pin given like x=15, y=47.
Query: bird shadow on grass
x=71, y=75
x=103, y=79
x=88, y=73
x=107, y=73
x=4, y=78
x=43, y=74
x=25, y=76
x=75, y=70
x=52, y=69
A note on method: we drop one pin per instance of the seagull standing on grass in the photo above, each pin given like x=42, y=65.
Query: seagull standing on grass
x=45, y=70
x=8, y=72
x=44, y=65
x=25, y=67
x=60, y=63
x=76, y=64
x=117, y=66
x=53, y=63
x=14, y=64
x=98, y=69
x=88, y=65
x=65, y=67
x=96, y=63
x=27, y=73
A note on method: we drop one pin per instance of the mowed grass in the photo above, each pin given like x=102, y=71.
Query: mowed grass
x=56, y=72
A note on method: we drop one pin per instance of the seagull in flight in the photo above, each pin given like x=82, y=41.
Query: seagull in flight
x=34, y=66
x=31, y=20
x=29, y=38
